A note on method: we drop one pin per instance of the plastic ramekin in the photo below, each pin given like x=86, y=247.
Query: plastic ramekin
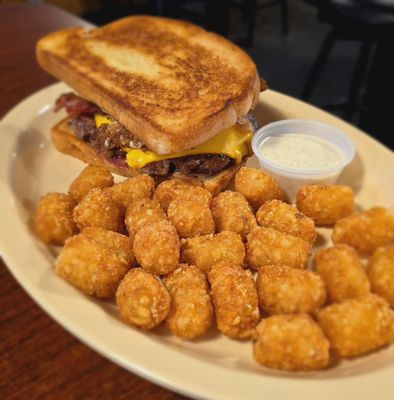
x=292, y=179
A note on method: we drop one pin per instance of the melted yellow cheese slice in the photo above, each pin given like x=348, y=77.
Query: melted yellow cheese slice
x=102, y=119
x=234, y=142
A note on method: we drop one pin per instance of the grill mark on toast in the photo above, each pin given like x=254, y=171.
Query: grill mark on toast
x=194, y=77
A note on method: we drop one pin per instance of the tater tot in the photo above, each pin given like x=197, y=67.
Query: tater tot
x=142, y=299
x=232, y=212
x=98, y=209
x=142, y=212
x=92, y=176
x=285, y=290
x=286, y=218
x=291, y=342
x=325, y=204
x=342, y=272
x=205, y=251
x=366, y=231
x=268, y=246
x=175, y=189
x=191, y=218
x=191, y=311
x=131, y=189
x=235, y=300
x=257, y=186
x=95, y=261
x=381, y=273
x=53, y=218
x=357, y=326
x=156, y=247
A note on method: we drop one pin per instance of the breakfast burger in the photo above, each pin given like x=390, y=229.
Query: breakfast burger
x=154, y=96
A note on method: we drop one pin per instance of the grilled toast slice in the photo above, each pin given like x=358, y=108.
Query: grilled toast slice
x=170, y=83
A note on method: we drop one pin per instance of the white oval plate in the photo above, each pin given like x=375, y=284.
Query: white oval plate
x=213, y=367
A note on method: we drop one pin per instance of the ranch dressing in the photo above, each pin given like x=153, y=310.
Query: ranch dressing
x=300, y=151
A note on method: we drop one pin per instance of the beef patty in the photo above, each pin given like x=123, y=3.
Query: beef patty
x=208, y=164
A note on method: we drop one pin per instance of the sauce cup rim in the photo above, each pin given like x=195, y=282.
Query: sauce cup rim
x=273, y=129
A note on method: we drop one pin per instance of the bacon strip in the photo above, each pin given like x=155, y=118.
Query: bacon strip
x=75, y=105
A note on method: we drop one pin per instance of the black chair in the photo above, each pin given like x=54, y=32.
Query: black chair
x=216, y=14
x=370, y=22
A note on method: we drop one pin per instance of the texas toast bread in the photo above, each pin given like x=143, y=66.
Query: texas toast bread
x=170, y=85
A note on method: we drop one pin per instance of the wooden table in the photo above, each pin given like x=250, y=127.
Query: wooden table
x=38, y=358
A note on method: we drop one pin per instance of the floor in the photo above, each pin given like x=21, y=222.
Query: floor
x=285, y=60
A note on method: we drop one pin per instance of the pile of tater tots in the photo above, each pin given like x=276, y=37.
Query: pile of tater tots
x=241, y=261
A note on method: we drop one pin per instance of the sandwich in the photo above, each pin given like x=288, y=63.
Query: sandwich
x=156, y=96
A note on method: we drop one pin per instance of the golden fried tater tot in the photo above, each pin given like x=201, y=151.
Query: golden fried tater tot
x=98, y=209
x=118, y=243
x=268, y=246
x=285, y=290
x=342, y=273
x=142, y=212
x=191, y=218
x=366, y=231
x=381, y=273
x=53, y=218
x=191, y=311
x=92, y=176
x=232, y=212
x=142, y=299
x=291, y=342
x=131, y=189
x=257, y=186
x=95, y=261
x=357, y=326
x=286, y=218
x=205, y=251
x=156, y=247
x=175, y=189
x=235, y=300
x=325, y=204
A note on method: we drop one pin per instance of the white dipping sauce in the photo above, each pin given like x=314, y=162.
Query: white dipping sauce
x=303, y=152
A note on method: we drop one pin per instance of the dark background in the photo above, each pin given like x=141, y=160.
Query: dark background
x=283, y=59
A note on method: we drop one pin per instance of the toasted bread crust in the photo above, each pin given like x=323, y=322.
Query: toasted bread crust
x=172, y=84
x=66, y=142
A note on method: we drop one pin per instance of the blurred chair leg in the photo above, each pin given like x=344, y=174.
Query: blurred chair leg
x=318, y=65
x=250, y=8
x=170, y=8
x=357, y=80
x=285, y=17
x=378, y=107
x=217, y=14
x=159, y=7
